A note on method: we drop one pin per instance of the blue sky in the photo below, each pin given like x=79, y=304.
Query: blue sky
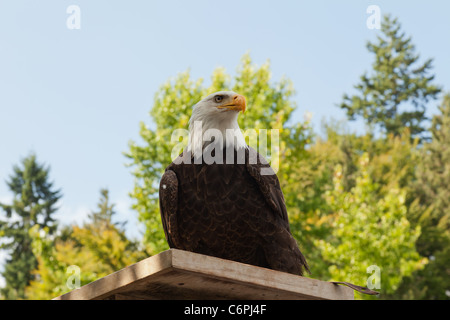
x=76, y=97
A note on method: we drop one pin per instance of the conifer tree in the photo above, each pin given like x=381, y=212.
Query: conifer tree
x=396, y=93
x=105, y=212
x=34, y=203
x=99, y=247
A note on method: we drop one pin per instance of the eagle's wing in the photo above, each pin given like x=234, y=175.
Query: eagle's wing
x=268, y=183
x=282, y=253
x=168, y=200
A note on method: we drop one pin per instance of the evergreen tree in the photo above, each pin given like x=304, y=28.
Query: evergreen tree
x=98, y=248
x=396, y=94
x=34, y=204
x=107, y=240
x=105, y=212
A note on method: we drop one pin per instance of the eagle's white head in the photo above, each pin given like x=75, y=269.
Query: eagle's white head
x=216, y=116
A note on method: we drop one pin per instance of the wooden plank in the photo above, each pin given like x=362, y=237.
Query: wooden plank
x=284, y=284
x=120, y=280
x=177, y=274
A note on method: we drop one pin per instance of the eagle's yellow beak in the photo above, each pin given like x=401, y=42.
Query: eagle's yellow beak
x=238, y=104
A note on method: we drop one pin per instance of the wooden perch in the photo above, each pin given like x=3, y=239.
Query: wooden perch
x=177, y=274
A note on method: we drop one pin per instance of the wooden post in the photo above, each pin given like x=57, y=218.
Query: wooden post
x=177, y=274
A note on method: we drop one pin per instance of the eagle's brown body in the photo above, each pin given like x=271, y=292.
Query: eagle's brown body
x=229, y=211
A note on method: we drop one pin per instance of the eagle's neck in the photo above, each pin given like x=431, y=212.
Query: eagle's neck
x=223, y=127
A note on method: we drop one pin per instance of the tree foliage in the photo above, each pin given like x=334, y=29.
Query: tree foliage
x=431, y=188
x=98, y=248
x=369, y=229
x=33, y=206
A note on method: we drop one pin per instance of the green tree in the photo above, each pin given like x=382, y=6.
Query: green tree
x=98, y=248
x=310, y=179
x=396, y=93
x=432, y=190
x=369, y=229
x=392, y=166
x=270, y=106
x=433, y=179
x=34, y=204
x=107, y=239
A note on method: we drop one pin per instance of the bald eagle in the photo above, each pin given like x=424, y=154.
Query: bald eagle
x=229, y=208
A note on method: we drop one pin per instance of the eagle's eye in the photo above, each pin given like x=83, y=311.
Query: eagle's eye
x=218, y=99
